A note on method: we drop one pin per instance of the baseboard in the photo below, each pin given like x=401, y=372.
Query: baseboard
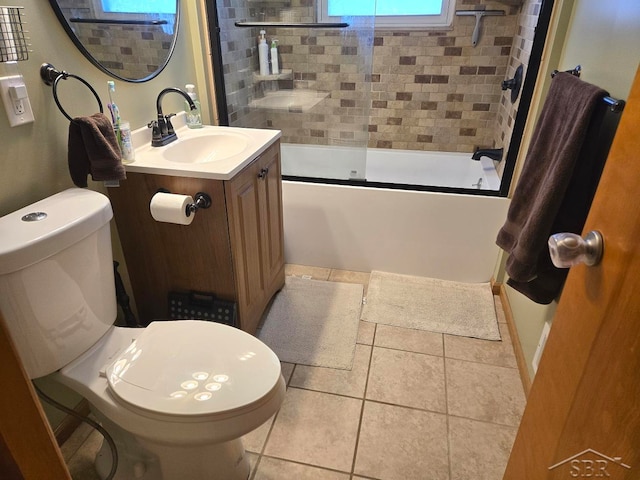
x=495, y=286
x=69, y=423
x=515, y=339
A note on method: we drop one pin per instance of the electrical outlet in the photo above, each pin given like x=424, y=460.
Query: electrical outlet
x=16, y=100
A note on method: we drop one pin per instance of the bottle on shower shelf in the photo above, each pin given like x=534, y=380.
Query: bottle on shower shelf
x=263, y=54
x=275, y=67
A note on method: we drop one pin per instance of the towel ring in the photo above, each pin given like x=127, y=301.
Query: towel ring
x=51, y=76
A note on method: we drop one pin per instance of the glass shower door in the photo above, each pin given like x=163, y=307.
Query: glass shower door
x=320, y=95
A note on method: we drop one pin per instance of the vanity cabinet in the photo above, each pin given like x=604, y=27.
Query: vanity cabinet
x=234, y=249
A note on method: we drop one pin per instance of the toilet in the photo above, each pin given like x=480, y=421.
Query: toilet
x=176, y=397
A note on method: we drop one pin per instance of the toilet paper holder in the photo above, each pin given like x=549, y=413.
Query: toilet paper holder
x=201, y=200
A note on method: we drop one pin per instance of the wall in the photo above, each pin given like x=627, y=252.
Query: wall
x=34, y=156
x=520, y=53
x=603, y=38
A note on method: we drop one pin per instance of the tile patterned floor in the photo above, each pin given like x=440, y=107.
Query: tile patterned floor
x=416, y=405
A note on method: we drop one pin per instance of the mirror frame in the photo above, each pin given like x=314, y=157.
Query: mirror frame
x=76, y=41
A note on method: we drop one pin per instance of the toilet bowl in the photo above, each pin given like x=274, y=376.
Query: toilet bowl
x=176, y=396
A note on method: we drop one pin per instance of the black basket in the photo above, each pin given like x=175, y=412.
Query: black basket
x=201, y=306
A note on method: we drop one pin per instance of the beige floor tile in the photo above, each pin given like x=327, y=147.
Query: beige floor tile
x=483, y=351
x=331, y=380
x=287, y=370
x=484, y=392
x=419, y=341
x=398, y=443
x=479, y=450
x=274, y=469
x=75, y=441
x=366, y=331
x=254, y=441
x=253, y=459
x=316, y=428
x=81, y=465
x=317, y=273
x=347, y=276
x=407, y=378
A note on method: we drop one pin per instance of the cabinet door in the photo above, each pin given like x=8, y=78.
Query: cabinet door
x=270, y=186
x=244, y=211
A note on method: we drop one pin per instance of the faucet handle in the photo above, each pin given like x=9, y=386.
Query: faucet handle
x=155, y=132
x=167, y=119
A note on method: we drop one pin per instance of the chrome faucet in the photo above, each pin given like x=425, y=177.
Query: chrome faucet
x=162, y=129
x=492, y=153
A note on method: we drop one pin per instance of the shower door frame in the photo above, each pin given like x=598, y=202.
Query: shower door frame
x=510, y=159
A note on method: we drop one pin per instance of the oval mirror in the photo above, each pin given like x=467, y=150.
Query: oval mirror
x=131, y=40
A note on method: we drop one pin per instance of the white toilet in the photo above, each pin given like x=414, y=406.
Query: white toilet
x=176, y=396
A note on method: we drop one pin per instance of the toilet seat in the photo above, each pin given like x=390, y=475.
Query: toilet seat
x=193, y=368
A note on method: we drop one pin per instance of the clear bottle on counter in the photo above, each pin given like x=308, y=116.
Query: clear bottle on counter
x=194, y=117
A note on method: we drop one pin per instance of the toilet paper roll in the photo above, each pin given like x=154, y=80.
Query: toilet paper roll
x=171, y=208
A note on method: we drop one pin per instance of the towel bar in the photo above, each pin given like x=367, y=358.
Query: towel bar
x=615, y=105
x=51, y=77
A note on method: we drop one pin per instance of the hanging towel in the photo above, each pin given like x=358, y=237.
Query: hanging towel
x=93, y=149
x=541, y=204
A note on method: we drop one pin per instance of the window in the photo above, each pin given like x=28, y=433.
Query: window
x=139, y=6
x=391, y=13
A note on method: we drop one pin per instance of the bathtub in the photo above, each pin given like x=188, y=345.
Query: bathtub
x=431, y=234
x=408, y=167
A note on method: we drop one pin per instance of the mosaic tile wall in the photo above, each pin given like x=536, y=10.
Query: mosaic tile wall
x=520, y=53
x=428, y=90
x=130, y=51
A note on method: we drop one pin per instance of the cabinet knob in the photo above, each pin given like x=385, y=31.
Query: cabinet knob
x=263, y=173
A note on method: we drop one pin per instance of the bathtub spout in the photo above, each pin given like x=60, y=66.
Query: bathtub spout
x=492, y=153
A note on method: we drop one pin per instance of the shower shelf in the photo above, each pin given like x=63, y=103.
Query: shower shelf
x=286, y=74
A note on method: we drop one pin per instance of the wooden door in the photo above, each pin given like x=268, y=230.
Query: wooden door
x=582, y=418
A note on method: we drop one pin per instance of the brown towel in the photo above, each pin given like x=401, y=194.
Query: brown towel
x=93, y=149
x=536, y=209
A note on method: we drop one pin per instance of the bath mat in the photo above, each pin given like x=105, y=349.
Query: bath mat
x=464, y=309
x=314, y=322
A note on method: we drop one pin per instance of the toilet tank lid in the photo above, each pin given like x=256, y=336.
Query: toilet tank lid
x=44, y=228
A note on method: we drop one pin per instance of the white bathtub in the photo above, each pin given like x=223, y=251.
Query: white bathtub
x=438, y=235
x=441, y=169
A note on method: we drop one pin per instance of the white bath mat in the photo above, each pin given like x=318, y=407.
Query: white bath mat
x=421, y=303
x=314, y=322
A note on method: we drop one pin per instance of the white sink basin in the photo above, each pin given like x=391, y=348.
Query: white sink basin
x=211, y=146
x=207, y=152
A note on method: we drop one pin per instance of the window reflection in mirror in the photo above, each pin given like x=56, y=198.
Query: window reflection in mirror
x=129, y=39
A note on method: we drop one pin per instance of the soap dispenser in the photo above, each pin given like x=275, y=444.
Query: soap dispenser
x=263, y=54
x=194, y=117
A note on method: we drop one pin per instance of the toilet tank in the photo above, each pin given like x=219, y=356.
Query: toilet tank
x=57, y=293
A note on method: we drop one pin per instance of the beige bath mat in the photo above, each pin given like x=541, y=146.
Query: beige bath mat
x=314, y=322
x=421, y=303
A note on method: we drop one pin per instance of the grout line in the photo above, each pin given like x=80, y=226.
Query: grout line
x=275, y=417
x=306, y=464
x=446, y=407
x=364, y=396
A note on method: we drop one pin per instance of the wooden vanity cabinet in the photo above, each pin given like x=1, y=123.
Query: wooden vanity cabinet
x=234, y=249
